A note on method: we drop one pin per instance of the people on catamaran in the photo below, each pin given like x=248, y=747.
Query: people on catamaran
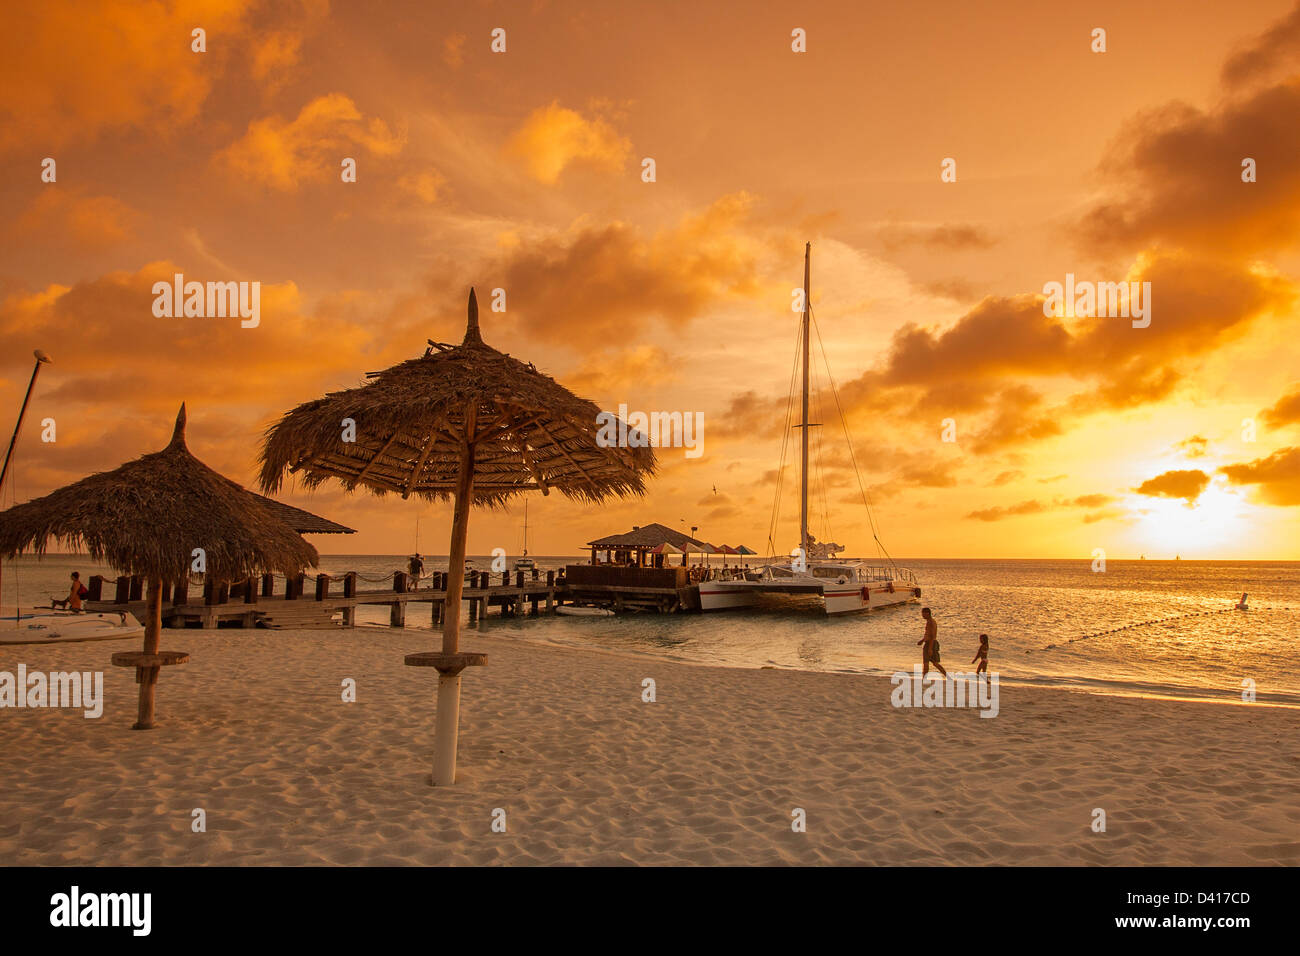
x=76, y=594
x=930, y=652
x=982, y=655
x=415, y=568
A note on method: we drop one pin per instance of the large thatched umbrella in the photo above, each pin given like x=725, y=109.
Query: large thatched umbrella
x=463, y=422
x=147, y=518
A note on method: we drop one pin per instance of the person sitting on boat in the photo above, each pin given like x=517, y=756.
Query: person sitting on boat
x=76, y=594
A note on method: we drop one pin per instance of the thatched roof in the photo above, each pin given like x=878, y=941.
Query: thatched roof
x=304, y=522
x=648, y=536
x=149, y=515
x=413, y=420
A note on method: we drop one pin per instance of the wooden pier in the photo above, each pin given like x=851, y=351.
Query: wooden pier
x=254, y=602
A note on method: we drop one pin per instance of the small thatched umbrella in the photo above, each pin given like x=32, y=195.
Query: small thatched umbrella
x=146, y=518
x=464, y=422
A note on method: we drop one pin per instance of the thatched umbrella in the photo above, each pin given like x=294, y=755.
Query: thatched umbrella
x=463, y=422
x=146, y=518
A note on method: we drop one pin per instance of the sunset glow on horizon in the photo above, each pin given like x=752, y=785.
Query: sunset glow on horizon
x=983, y=423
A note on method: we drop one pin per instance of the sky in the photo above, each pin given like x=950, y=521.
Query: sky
x=978, y=425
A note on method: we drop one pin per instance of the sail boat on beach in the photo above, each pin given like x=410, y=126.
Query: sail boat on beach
x=813, y=568
x=39, y=625
x=525, y=563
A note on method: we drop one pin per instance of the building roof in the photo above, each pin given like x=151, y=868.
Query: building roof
x=647, y=536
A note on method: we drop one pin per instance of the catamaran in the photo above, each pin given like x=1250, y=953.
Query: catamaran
x=813, y=568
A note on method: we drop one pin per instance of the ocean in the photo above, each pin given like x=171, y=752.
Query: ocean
x=1165, y=628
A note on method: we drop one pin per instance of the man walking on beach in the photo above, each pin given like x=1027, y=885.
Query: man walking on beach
x=930, y=652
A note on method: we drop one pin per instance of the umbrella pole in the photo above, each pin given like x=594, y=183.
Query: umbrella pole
x=447, y=731
x=148, y=676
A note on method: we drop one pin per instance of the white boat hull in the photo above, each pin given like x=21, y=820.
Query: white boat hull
x=579, y=610
x=723, y=596
x=844, y=600
x=838, y=597
x=53, y=628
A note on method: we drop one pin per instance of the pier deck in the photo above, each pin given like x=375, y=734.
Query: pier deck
x=246, y=604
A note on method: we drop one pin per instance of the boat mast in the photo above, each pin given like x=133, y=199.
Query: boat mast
x=41, y=359
x=525, y=527
x=803, y=471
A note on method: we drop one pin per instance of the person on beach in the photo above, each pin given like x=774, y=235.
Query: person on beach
x=415, y=567
x=75, y=596
x=982, y=655
x=930, y=652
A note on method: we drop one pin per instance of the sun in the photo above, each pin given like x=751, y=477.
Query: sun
x=1215, y=522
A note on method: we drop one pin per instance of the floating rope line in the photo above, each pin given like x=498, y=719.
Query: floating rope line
x=1165, y=620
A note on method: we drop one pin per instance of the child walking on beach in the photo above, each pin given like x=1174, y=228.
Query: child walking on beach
x=982, y=655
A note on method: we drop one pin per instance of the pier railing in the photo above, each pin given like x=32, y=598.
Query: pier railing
x=255, y=601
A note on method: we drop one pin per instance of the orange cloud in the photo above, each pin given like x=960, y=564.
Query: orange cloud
x=1010, y=511
x=1177, y=169
x=1184, y=483
x=90, y=222
x=1278, y=46
x=554, y=137
x=1285, y=411
x=950, y=237
x=125, y=355
x=283, y=154
x=606, y=375
x=605, y=283
x=1277, y=476
x=274, y=55
x=74, y=70
x=749, y=414
x=1034, y=507
x=1194, y=447
x=114, y=391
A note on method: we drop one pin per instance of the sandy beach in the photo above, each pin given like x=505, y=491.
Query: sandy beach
x=255, y=732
